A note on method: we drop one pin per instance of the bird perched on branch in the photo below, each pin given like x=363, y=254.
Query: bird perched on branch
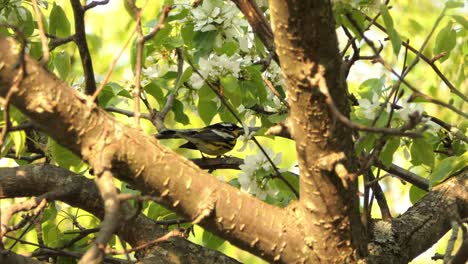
x=215, y=139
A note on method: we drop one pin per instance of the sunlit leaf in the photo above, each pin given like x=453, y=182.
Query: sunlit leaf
x=445, y=41
x=415, y=194
x=62, y=64
x=58, y=24
x=422, y=153
x=386, y=156
x=392, y=33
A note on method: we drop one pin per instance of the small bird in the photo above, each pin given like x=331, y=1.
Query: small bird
x=215, y=139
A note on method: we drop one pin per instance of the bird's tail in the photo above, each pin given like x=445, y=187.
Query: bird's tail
x=166, y=134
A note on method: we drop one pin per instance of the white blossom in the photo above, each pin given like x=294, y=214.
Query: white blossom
x=215, y=66
x=369, y=108
x=224, y=18
x=248, y=179
x=409, y=108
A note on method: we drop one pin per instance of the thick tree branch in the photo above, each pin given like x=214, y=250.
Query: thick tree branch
x=307, y=46
x=422, y=225
x=260, y=228
x=82, y=193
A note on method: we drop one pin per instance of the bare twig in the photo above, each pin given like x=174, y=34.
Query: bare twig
x=55, y=42
x=158, y=119
x=416, y=92
x=462, y=254
x=379, y=195
x=109, y=225
x=160, y=25
x=6, y=106
x=127, y=113
x=405, y=175
x=82, y=44
x=275, y=92
x=451, y=242
x=139, y=58
x=412, y=122
x=40, y=24
x=170, y=234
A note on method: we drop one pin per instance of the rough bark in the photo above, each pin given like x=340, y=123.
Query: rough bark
x=81, y=192
x=415, y=231
x=273, y=233
x=307, y=46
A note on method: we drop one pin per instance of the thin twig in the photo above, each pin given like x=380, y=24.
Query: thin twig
x=55, y=42
x=127, y=112
x=429, y=61
x=82, y=44
x=406, y=175
x=275, y=92
x=40, y=24
x=160, y=25
x=416, y=92
x=159, y=117
x=6, y=106
x=170, y=234
x=138, y=65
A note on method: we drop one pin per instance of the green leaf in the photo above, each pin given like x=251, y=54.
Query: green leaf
x=228, y=48
x=248, y=90
x=358, y=17
x=50, y=213
x=447, y=167
x=276, y=118
x=370, y=86
x=62, y=63
x=386, y=156
x=62, y=156
x=205, y=93
x=24, y=21
x=422, y=153
x=445, y=41
x=163, y=36
x=211, y=241
x=105, y=96
x=415, y=194
x=207, y=110
x=156, y=211
x=180, y=116
x=58, y=22
x=461, y=20
x=454, y=4
x=185, y=76
x=365, y=144
x=18, y=137
x=19, y=141
x=35, y=49
x=392, y=33
x=154, y=90
x=187, y=34
x=204, y=42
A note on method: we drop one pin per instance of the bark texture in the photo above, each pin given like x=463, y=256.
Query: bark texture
x=307, y=46
x=138, y=159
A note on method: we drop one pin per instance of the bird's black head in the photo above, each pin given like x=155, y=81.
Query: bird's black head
x=228, y=127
